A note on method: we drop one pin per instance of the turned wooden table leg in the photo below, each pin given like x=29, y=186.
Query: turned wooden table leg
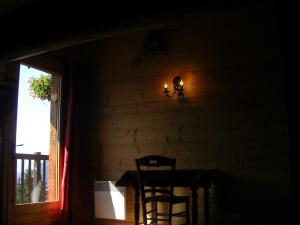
x=206, y=206
x=136, y=206
x=194, y=206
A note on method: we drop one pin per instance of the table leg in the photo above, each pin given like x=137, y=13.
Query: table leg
x=194, y=206
x=136, y=206
x=206, y=206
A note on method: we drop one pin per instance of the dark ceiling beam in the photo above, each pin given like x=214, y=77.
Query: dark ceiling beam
x=49, y=25
x=9, y=5
x=43, y=26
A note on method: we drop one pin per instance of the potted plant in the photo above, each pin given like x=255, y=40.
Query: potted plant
x=40, y=87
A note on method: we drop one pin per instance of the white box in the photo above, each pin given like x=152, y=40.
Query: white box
x=109, y=200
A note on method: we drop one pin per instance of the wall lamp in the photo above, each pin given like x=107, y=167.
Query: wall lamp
x=177, y=88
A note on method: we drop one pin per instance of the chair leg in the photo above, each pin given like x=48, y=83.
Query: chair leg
x=170, y=213
x=155, y=216
x=187, y=207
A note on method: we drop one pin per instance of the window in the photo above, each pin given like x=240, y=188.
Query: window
x=37, y=136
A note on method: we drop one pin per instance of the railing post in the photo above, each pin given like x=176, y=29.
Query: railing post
x=43, y=190
x=22, y=181
x=37, y=170
x=29, y=179
x=31, y=176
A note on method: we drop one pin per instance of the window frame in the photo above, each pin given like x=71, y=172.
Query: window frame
x=49, y=210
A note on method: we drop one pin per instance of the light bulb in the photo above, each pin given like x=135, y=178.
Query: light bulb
x=166, y=86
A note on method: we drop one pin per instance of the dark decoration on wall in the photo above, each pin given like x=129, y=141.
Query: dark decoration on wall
x=154, y=43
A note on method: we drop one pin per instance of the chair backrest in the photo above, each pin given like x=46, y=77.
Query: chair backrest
x=148, y=164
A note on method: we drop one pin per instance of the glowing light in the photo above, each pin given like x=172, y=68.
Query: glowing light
x=166, y=86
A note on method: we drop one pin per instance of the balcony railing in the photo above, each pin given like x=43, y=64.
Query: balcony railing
x=32, y=178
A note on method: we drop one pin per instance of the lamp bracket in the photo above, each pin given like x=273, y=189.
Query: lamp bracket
x=177, y=88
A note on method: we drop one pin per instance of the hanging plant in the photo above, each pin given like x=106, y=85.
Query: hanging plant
x=40, y=87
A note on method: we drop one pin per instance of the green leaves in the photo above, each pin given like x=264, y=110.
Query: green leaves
x=40, y=87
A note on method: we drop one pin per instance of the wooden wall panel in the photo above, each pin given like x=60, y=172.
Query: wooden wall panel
x=232, y=118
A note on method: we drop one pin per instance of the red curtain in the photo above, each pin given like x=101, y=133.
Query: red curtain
x=75, y=205
x=65, y=155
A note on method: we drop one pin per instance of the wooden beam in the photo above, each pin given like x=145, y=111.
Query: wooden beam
x=45, y=26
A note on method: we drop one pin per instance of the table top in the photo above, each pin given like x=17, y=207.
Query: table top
x=178, y=178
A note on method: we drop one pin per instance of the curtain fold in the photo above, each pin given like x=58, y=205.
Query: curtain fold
x=65, y=153
x=65, y=175
x=75, y=192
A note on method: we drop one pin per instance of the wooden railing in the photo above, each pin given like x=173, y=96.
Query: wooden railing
x=32, y=181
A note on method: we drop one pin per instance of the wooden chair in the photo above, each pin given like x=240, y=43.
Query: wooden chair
x=152, y=195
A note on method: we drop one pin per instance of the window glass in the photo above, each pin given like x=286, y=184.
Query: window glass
x=37, y=136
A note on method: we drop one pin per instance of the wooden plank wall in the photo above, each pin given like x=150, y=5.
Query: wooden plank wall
x=233, y=116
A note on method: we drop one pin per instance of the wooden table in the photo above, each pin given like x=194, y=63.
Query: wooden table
x=180, y=178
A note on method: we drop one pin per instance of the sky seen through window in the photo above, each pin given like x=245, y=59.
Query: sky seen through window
x=33, y=119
